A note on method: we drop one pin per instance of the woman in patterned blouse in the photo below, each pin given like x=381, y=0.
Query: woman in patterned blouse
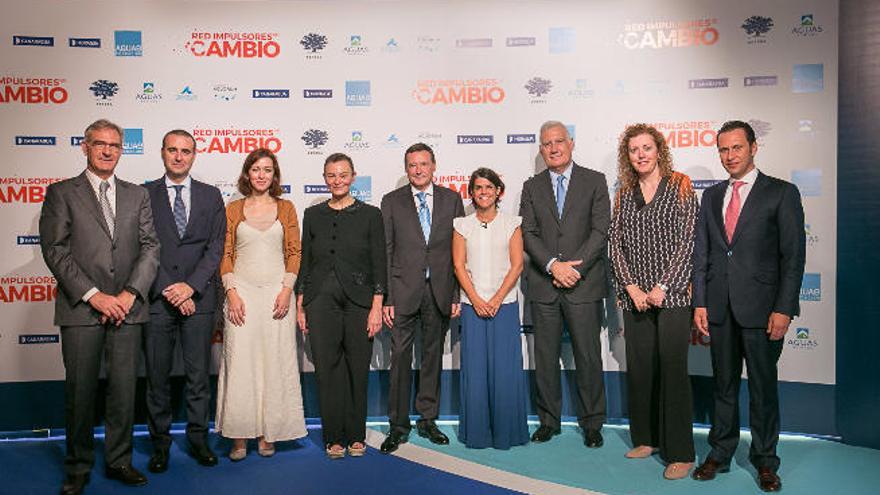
x=651, y=240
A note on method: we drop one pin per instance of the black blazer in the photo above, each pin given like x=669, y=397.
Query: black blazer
x=761, y=269
x=349, y=243
x=581, y=234
x=409, y=256
x=194, y=259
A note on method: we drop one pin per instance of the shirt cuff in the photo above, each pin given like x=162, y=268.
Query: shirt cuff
x=88, y=295
x=549, y=264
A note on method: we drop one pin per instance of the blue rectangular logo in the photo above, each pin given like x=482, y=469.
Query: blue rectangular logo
x=271, y=93
x=718, y=82
x=27, y=240
x=700, y=184
x=317, y=93
x=811, y=287
x=84, y=42
x=76, y=140
x=35, y=140
x=19, y=40
x=362, y=188
x=285, y=188
x=133, y=142
x=357, y=94
x=475, y=139
x=808, y=182
x=316, y=189
x=520, y=138
x=128, y=44
x=808, y=78
x=562, y=40
x=50, y=338
x=750, y=81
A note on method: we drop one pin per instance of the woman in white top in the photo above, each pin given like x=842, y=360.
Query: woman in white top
x=487, y=251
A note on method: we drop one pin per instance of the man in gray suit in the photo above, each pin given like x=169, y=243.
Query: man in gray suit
x=97, y=237
x=421, y=287
x=565, y=215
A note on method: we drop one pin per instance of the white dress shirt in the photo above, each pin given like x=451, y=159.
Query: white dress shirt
x=95, y=182
x=429, y=198
x=744, y=189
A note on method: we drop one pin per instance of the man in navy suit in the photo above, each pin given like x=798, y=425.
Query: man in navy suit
x=190, y=222
x=748, y=265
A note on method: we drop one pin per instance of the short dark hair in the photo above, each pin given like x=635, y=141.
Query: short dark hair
x=732, y=125
x=244, y=182
x=491, y=176
x=419, y=147
x=181, y=133
x=339, y=157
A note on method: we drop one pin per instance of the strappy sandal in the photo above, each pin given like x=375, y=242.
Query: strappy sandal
x=335, y=453
x=355, y=451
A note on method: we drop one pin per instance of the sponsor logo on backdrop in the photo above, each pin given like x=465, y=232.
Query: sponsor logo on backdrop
x=317, y=93
x=46, y=338
x=701, y=184
x=33, y=90
x=718, y=82
x=228, y=189
x=358, y=142
x=432, y=139
x=688, y=134
x=391, y=46
x=562, y=40
x=84, y=42
x=457, y=182
x=149, y=94
x=76, y=140
x=313, y=44
x=582, y=90
x=808, y=181
x=233, y=44
x=224, y=92
x=314, y=141
x=618, y=87
x=427, y=44
x=25, y=189
x=812, y=237
x=28, y=288
x=35, y=140
x=806, y=126
x=356, y=46
x=811, y=287
x=271, y=93
x=808, y=27
x=128, y=44
x=517, y=41
x=104, y=90
x=392, y=141
x=756, y=27
x=316, y=189
x=473, y=43
x=475, y=139
x=459, y=91
x=669, y=34
x=538, y=88
x=572, y=130
x=133, y=141
x=187, y=94
x=750, y=81
x=357, y=94
x=520, y=138
x=224, y=140
x=807, y=78
x=21, y=40
x=285, y=188
x=362, y=188
x=803, y=340
x=762, y=128
x=27, y=240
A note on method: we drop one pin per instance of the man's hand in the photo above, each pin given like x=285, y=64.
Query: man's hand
x=110, y=307
x=701, y=320
x=374, y=321
x=177, y=293
x=777, y=325
x=187, y=307
x=564, y=273
x=388, y=316
x=455, y=311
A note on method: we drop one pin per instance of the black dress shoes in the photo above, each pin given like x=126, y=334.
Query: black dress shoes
x=709, y=469
x=74, y=484
x=126, y=474
x=429, y=430
x=203, y=454
x=593, y=438
x=158, y=461
x=544, y=433
x=768, y=480
x=392, y=441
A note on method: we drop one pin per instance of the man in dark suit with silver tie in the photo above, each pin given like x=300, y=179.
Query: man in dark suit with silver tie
x=191, y=224
x=97, y=238
x=749, y=256
x=565, y=216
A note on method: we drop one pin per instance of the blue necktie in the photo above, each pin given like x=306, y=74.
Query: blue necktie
x=179, y=211
x=560, y=194
x=424, y=215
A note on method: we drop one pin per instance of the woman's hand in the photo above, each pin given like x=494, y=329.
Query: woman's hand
x=481, y=307
x=374, y=321
x=656, y=297
x=282, y=303
x=234, y=308
x=494, y=305
x=638, y=296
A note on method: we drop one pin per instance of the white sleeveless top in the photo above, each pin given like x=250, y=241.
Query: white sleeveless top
x=488, y=253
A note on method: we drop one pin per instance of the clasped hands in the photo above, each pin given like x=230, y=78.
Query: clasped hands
x=645, y=300
x=565, y=276
x=112, y=308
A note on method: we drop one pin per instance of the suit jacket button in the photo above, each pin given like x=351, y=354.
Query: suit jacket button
x=332, y=251
x=729, y=254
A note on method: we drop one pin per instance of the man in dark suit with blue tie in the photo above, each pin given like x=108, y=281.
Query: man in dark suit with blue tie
x=749, y=255
x=191, y=224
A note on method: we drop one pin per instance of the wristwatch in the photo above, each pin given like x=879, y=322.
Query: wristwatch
x=663, y=287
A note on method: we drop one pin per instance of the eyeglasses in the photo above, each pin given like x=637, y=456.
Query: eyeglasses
x=114, y=147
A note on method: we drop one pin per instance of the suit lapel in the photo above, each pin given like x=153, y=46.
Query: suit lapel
x=163, y=217
x=717, y=202
x=573, y=184
x=86, y=196
x=438, y=207
x=750, y=206
x=409, y=206
x=545, y=189
x=193, y=202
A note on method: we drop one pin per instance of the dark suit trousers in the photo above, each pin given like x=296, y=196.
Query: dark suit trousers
x=82, y=348
x=434, y=325
x=584, y=323
x=160, y=336
x=341, y=352
x=658, y=384
x=730, y=344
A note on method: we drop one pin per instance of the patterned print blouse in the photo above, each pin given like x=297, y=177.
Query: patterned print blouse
x=652, y=243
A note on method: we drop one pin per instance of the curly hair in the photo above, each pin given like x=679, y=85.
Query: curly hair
x=626, y=174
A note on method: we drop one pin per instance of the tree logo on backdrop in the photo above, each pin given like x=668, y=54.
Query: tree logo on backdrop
x=756, y=27
x=315, y=139
x=669, y=34
x=538, y=87
x=688, y=134
x=104, y=91
x=33, y=90
x=233, y=44
x=226, y=140
x=458, y=91
x=313, y=43
x=807, y=27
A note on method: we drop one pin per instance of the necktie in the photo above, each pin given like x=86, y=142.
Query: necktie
x=179, y=210
x=560, y=194
x=732, y=214
x=424, y=215
x=105, y=206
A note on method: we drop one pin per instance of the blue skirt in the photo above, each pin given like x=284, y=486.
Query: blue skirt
x=493, y=385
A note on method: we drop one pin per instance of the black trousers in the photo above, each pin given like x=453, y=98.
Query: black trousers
x=584, y=322
x=731, y=343
x=341, y=351
x=658, y=384
x=82, y=348
x=160, y=336
x=434, y=325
